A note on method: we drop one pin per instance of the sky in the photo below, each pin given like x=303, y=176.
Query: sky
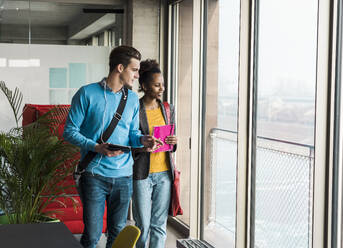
x=287, y=46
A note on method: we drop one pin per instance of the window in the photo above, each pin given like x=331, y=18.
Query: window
x=182, y=96
x=267, y=133
x=220, y=169
x=286, y=84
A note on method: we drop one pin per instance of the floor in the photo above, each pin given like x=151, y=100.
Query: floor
x=172, y=236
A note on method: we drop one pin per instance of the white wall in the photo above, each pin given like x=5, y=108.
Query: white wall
x=33, y=82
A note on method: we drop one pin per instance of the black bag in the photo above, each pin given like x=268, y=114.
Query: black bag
x=175, y=202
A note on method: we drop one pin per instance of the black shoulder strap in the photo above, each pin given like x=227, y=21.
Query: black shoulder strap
x=108, y=132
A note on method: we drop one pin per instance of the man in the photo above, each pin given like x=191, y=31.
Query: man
x=108, y=177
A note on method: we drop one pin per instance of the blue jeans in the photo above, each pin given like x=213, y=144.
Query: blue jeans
x=150, y=205
x=95, y=190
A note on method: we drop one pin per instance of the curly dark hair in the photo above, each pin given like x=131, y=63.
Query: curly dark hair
x=123, y=55
x=147, y=69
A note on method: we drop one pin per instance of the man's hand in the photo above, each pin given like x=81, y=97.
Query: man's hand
x=151, y=143
x=102, y=149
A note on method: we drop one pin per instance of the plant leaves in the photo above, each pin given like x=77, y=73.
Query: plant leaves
x=15, y=100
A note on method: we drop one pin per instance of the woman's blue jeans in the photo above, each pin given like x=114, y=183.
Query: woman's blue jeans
x=150, y=205
x=95, y=190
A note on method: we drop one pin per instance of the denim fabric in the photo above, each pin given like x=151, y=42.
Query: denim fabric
x=151, y=197
x=95, y=190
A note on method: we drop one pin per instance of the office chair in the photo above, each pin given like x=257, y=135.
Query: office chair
x=127, y=238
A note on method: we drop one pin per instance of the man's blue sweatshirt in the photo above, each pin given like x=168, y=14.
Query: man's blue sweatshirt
x=91, y=112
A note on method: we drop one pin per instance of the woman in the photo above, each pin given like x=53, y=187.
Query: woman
x=152, y=172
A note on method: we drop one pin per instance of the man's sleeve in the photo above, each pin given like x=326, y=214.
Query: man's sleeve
x=135, y=134
x=74, y=121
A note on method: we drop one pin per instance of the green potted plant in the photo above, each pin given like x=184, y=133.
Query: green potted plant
x=34, y=162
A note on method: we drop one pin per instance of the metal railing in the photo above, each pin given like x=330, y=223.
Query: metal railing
x=284, y=186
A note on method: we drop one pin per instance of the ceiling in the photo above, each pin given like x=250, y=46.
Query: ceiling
x=65, y=14
x=19, y=12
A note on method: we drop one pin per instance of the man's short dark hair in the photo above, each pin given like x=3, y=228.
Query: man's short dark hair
x=123, y=55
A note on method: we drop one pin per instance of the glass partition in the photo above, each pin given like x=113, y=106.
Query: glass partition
x=50, y=49
x=49, y=22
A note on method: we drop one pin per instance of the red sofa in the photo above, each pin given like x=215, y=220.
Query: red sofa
x=67, y=213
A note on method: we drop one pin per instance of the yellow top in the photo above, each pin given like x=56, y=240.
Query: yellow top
x=158, y=161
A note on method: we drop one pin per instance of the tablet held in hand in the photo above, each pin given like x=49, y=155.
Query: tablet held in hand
x=114, y=147
x=161, y=133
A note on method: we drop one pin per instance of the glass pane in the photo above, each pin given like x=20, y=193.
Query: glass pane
x=221, y=122
x=14, y=21
x=48, y=22
x=285, y=123
x=44, y=50
x=183, y=104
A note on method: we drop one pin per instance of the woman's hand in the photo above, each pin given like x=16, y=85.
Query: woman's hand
x=171, y=140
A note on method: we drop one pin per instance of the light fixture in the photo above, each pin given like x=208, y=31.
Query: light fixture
x=24, y=62
x=34, y=62
x=3, y=62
